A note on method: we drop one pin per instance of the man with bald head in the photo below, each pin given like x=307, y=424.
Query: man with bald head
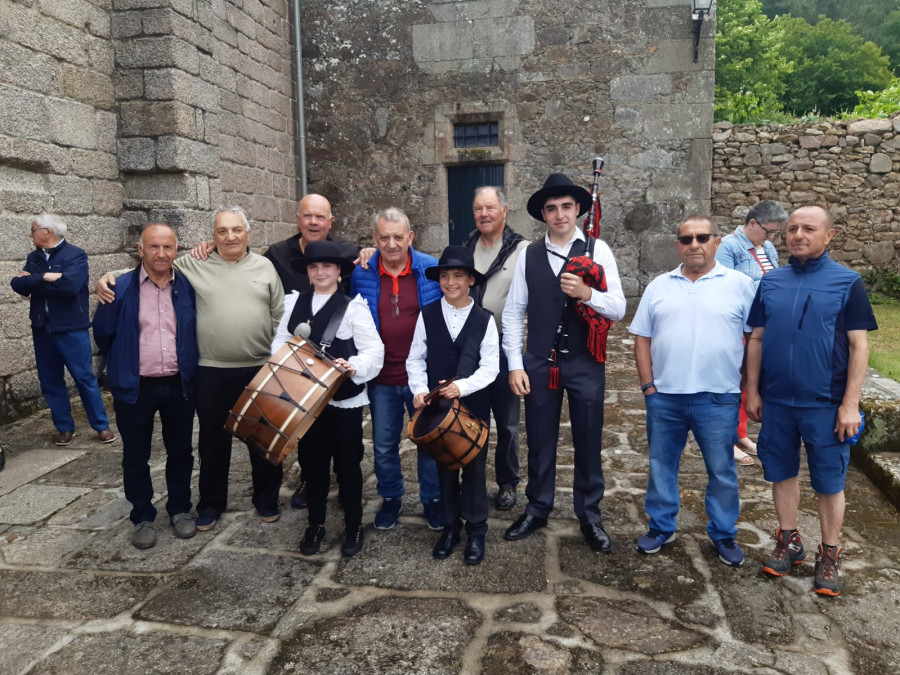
x=806, y=362
x=148, y=335
x=689, y=347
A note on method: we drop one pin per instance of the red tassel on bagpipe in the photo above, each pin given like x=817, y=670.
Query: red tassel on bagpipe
x=553, y=382
x=592, y=220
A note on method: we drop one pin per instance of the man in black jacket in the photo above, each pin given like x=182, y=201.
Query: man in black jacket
x=55, y=277
x=496, y=246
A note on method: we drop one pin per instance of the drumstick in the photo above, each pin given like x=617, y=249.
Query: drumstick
x=434, y=392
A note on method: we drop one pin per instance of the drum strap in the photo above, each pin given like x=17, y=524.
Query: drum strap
x=341, y=303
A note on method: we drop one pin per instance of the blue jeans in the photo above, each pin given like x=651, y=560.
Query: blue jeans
x=387, y=403
x=713, y=419
x=53, y=352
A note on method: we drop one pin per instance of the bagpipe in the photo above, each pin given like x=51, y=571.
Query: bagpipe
x=594, y=276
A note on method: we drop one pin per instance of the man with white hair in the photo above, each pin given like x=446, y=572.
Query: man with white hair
x=55, y=278
x=240, y=301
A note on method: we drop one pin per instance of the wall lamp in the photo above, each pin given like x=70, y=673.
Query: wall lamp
x=700, y=8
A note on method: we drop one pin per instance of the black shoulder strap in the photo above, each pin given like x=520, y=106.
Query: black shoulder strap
x=341, y=302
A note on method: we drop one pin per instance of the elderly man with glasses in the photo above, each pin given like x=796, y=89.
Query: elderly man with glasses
x=395, y=287
x=688, y=347
x=55, y=278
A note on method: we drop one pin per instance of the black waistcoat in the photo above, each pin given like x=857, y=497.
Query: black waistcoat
x=545, y=304
x=342, y=349
x=447, y=357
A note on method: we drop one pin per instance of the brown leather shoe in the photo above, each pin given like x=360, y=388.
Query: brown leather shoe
x=63, y=437
x=106, y=436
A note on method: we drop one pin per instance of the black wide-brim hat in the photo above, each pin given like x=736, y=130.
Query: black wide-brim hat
x=326, y=252
x=557, y=185
x=455, y=258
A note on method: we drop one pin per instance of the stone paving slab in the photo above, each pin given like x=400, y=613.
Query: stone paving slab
x=21, y=645
x=39, y=462
x=32, y=503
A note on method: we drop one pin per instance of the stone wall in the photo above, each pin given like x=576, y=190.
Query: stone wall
x=853, y=168
x=115, y=112
x=386, y=81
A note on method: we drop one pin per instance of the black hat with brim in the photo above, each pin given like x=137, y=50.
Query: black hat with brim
x=455, y=258
x=323, y=252
x=557, y=185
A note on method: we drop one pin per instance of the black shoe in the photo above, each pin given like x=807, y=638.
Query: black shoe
x=444, y=546
x=474, y=552
x=298, y=499
x=525, y=525
x=312, y=539
x=353, y=542
x=596, y=537
x=506, y=499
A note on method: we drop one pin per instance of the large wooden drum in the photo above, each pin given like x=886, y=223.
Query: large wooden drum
x=284, y=399
x=446, y=430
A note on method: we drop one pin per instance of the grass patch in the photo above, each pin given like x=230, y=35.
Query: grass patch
x=884, y=353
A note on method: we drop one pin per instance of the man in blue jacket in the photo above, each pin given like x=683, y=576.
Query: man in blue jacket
x=396, y=288
x=55, y=278
x=806, y=362
x=149, y=337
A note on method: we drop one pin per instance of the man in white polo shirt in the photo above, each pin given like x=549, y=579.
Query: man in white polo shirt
x=689, y=349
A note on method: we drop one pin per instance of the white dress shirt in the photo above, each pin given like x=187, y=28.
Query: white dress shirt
x=454, y=319
x=357, y=324
x=610, y=304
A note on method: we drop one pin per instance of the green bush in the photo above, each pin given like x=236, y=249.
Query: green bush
x=883, y=282
x=877, y=103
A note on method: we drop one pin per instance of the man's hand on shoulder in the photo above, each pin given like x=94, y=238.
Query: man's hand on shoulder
x=202, y=250
x=104, y=288
x=365, y=255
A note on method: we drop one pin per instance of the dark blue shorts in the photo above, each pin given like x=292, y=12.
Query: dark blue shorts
x=779, y=446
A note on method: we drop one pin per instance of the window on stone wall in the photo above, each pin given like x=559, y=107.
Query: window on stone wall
x=478, y=134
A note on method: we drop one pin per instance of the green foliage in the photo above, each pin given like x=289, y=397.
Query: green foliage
x=750, y=70
x=882, y=282
x=874, y=104
x=830, y=64
x=883, y=353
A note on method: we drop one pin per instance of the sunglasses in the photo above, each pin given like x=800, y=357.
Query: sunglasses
x=395, y=301
x=685, y=240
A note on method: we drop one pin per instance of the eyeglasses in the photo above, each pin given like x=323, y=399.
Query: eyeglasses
x=770, y=232
x=36, y=229
x=685, y=240
x=395, y=301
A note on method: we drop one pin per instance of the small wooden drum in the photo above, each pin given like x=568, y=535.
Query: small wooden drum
x=446, y=430
x=284, y=399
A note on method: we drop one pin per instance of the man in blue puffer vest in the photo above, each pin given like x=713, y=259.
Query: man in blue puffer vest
x=395, y=287
x=149, y=337
x=806, y=362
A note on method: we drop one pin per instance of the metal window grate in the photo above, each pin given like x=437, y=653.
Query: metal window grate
x=479, y=134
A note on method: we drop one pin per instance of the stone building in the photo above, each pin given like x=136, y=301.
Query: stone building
x=116, y=112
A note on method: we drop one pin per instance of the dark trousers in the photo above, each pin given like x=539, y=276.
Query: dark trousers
x=506, y=408
x=217, y=391
x=584, y=382
x=337, y=435
x=135, y=422
x=464, y=495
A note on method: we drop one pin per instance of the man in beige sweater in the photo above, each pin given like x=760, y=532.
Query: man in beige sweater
x=240, y=301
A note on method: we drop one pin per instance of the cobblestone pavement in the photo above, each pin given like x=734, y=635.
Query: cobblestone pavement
x=76, y=597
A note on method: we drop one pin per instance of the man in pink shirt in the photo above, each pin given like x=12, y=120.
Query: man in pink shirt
x=148, y=335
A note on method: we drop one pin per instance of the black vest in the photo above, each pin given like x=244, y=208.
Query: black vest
x=447, y=357
x=545, y=305
x=342, y=349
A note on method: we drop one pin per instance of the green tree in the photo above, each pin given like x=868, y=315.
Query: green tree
x=750, y=69
x=830, y=64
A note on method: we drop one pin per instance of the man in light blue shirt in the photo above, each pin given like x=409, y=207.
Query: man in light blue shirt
x=688, y=331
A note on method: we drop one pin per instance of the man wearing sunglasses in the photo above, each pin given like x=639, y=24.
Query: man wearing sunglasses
x=395, y=287
x=689, y=330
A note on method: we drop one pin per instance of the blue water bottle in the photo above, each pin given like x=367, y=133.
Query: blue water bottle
x=854, y=439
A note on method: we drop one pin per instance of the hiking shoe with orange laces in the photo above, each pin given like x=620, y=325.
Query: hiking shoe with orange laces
x=828, y=561
x=788, y=553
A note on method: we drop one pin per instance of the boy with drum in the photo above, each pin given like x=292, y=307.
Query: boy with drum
x=346, y=332
x=456, y=350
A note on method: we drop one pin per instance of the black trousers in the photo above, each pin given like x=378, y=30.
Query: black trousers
x=583, y=380
x=135, y=422
x=337, y=435
x=506, y=407
x=464, y=495
x=217, y=391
